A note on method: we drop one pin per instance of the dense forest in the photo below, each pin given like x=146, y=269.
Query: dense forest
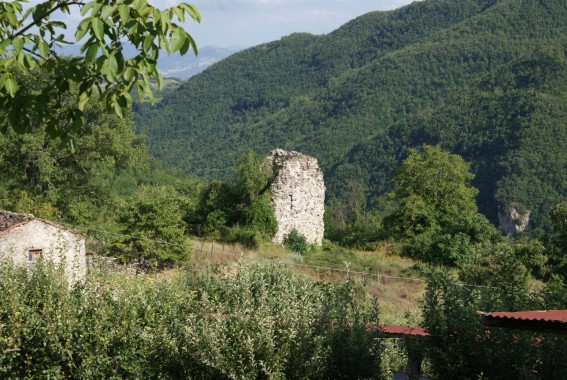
x=510, y=126
x=480, y=78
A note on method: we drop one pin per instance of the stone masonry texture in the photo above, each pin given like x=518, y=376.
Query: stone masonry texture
x=298, y=195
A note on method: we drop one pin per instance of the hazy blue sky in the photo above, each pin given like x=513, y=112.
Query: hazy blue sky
x=246, y=23
x=251, y=22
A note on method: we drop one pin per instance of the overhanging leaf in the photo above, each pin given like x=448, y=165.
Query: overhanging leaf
x=11, y=85
x=109, y=68
x=179, y=13
x=85, y=8
x=98, y=28
x=91, y=53
x=191, y=11
x=185, y=47
x=17, y=44
x=124, y=12
x=83, y=100
x=82, y=29
x=177, y=40
x=43, y=48
x=148, y=40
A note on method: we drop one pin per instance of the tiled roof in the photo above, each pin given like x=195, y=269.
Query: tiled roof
x=559, y=316
x=9, y=219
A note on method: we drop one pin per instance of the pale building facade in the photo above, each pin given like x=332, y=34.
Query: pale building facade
x=25, y=240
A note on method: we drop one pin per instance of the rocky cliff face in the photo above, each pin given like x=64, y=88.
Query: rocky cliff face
x=513, y=221
x=298, y=195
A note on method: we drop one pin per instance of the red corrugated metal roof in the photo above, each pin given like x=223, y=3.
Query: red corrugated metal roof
x=557, y=316
x=398, y=330
x=550, y=321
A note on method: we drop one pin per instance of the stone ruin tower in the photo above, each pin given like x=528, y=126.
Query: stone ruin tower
x=298, y=195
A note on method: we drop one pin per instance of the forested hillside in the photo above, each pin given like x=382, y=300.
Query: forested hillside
x=511, y=126
x=482, y=78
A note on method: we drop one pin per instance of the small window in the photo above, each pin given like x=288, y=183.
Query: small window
x=34, y=255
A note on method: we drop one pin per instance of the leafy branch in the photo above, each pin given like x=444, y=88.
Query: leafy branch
x=105, y=27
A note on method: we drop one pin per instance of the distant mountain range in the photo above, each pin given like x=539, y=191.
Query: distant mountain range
x=185, y=67
x=176, y=66
x=486, y=79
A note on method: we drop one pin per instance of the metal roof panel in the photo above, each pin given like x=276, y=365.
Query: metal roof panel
x=558, y=316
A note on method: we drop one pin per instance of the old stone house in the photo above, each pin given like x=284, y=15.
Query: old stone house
x=25, y=240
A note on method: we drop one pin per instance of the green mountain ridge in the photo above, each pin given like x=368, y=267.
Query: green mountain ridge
x=287, y=93
x=510, y=126
x=395, y=80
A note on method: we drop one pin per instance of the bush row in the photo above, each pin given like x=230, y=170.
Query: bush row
x=260, y=323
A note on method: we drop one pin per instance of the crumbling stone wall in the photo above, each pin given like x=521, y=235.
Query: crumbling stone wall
x=298, y=195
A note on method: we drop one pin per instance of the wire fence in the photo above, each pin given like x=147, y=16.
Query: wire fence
x=239, y=253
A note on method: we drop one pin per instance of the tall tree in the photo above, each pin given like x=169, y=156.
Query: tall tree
x=557, y=242
x=430, y=185
x=436, y=207
x=254, y=175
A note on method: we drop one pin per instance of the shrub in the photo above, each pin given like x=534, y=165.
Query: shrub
x=296, y=242
x=259, y=216
x=247, y=237
x=262, y=322
x=154, y=228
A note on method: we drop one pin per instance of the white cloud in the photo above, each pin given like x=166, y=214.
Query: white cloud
x=250, y=22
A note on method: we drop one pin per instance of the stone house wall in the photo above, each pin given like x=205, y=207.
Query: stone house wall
x=26, y=242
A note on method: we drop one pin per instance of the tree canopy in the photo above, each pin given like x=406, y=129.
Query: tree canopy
x=436, y=207
x=439, y=178
x=430, y=185
x=29, y=40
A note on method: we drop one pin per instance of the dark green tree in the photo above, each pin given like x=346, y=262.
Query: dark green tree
x=557, y=242
x=80, y=187
x=240, y=211
x=217, y=208
x=436, y=209
x=254, y=175
x=259, y=216
x=558, y=218
x=349, y=221
x=441, y=179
